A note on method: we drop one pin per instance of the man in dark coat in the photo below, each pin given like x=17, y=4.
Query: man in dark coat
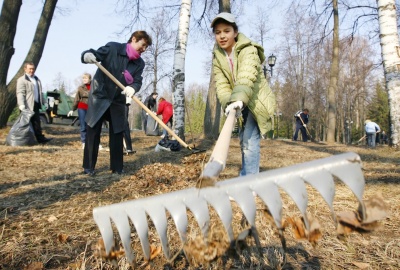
x=301, y=124
x=106, y=101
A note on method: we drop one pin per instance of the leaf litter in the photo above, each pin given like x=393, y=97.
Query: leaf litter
x=47, y=221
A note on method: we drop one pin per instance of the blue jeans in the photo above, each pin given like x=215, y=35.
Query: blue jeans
x=371, y=137
x=249, y=135
x=82, y=123
x=169, y=124
x=303, y=132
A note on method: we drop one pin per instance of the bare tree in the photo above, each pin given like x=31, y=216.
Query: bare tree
x=300, y=55
x=356, y=79
x=178, y=89
x=8, y=20
x=333, y=83
x=391, y=62
x=157, y=58
x=261, y=30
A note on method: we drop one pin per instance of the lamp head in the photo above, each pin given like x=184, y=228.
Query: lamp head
x=271, y=60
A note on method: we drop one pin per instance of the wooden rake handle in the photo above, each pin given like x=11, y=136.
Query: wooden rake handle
x=308, y=132
x=144, y=107
x=219, y=155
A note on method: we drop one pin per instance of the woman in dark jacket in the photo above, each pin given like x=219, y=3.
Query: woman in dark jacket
x=106, y=101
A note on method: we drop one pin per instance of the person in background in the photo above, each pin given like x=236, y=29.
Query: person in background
x=242, y=86
x=301, y=118
x=30, y=96
x=166, y=110
x=371, y=129
x=107, y=102
x=80, y=104
x=127, y=131
x=377, y=138
x=151, y=103
x=384, y=138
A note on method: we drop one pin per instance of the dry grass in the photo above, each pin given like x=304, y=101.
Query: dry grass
x=46, y=208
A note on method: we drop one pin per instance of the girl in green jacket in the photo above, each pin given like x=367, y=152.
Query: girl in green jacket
x=241, y=85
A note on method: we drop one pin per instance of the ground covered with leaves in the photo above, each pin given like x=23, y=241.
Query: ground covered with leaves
x=46, y=206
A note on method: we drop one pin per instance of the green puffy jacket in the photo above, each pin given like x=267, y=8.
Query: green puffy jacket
x=250, y=85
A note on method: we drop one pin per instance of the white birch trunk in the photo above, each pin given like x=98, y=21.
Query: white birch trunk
x=391, y=63
x=178, y=90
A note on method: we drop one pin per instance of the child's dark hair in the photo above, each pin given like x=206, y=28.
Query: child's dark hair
x=220, y=20
x=138, y=35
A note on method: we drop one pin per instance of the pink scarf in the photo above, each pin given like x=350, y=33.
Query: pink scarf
x=132, y=55
x=131, y=52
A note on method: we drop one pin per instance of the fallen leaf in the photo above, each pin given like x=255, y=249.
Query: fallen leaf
x=350, y=218
x=300, y=231
x=350, y=222
x=361, y=265
x=113, y=255
x=63, y=238
x=376, y=209
x=75, y=265
x=51, y=219
x=154, y=251
x=344, y=230
x=298, y=227
x=34, y=266
x=314, y=234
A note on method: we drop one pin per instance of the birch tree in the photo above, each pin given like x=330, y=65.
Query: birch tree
x=178, y=80
x=391, y=63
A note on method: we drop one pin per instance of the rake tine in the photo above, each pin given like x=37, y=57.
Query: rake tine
x=157, y=214
x=245, y=199
x=298, y=192
x=267, y=190
x=346, y=167
x=220, y=202
x=199, y=209
x=139, y=220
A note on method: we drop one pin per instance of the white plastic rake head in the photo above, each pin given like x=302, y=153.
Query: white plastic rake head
x=319, y=174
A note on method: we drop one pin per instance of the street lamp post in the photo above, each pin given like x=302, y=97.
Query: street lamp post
x=348, y=130
x=277, y=115
x=271, y=63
